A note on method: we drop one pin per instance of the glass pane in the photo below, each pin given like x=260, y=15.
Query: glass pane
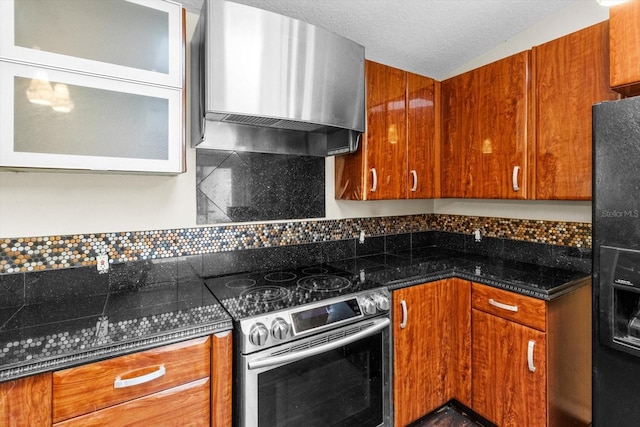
x=343, y=387
x=55, y=118
x=96, y=30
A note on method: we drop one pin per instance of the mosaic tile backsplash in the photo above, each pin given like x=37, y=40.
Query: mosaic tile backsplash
x=52, y=252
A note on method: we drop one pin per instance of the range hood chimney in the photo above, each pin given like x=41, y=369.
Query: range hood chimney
x=264, y=82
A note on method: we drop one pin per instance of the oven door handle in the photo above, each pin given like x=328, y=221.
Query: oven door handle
x=292, y=357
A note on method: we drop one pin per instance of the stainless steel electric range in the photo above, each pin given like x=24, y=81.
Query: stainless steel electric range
x=313, y=347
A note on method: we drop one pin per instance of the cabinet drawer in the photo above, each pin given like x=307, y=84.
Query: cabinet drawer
x=509, y=305
x=91, y=387
x=185, y=405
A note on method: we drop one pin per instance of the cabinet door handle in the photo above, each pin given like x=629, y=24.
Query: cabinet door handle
x=503, y=306
x=374, y=183
x=414, y=174
x=530, y=349
x=130, y=382
x=514, y=178
x=403, y=323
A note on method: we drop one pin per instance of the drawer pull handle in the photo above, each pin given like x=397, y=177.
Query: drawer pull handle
x=403, y=323
x=532, y=345
x=414, y=174
x=507, y=307
x=130, y=382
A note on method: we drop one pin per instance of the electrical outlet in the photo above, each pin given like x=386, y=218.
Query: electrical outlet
x=362, y=235
x=103, y=263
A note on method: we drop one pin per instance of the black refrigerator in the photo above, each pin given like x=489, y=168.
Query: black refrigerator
x=616, y=263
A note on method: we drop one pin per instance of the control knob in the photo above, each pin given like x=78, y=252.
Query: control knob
x=368, y=305
x=258, y=334
x=279, y=328
x=382, y=302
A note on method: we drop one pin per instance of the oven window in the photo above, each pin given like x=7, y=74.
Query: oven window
x=342, y=387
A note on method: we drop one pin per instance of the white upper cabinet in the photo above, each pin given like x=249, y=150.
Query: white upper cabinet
x=92, y=85
x=128, y=39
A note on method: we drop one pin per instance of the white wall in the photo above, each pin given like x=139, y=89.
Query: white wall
x=55, y=203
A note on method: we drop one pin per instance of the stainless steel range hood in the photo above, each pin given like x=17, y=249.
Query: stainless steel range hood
x=264, y=82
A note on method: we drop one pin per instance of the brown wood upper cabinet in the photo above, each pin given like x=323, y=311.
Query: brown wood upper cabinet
x=624, y=39
x=485, y=122
x=571, y=75
x=423, y=137
x=398, y=157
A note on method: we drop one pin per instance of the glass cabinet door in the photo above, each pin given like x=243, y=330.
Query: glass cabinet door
x=59, y=119
x=130, y=39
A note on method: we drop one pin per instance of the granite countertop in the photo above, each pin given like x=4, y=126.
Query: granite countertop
x=77, y=316
x=412, y=267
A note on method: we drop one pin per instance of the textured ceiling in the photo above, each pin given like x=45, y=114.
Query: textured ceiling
x=430, y=37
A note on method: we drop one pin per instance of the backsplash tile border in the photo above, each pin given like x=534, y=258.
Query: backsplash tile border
x=25, y=254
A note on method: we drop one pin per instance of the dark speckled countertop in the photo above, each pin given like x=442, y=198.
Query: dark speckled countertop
x=428, y=264
x=76, y=316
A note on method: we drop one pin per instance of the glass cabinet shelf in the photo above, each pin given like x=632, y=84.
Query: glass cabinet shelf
x=92, y=85
x=138, y=40
x=63, y=120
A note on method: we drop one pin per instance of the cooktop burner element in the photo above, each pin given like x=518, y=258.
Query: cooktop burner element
x=265, y=294
x=324, y=283
x=240, y=283
x=280, y=276
x=250, y=294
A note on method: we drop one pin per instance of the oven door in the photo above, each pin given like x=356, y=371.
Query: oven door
x=337, y=378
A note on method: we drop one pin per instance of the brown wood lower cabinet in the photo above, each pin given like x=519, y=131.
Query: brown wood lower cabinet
x=505, y=388
x=431, y=327
x=95, y=386
x=515, y=360
x=26, y=401
x=221, y=379
x=182, y=384
x=184, y=405
x=531, y=367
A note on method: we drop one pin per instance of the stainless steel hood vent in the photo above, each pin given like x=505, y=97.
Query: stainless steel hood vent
x=264, y=82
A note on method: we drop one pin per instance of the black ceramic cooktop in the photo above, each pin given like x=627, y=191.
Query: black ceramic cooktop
x=250, y=294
